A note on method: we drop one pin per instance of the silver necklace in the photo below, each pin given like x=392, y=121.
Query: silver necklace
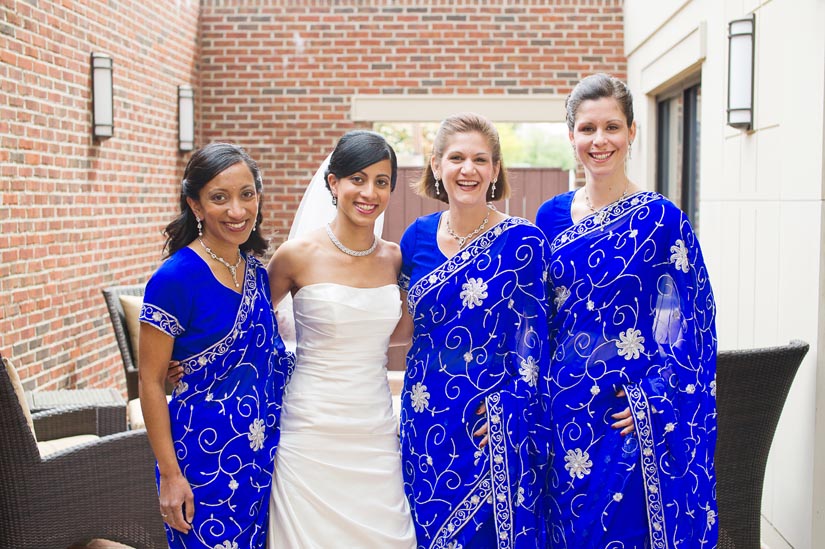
x=462, y=240
x=233, y=269
x=601, y=214
x=348, y=251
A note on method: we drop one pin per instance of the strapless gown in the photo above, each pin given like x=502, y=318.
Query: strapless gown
x=337, y=480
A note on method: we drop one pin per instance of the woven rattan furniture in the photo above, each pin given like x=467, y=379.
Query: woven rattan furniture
x=112, y=297
x=752, y=386
x=103, y=489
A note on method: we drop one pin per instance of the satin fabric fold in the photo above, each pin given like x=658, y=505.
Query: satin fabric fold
x=337, y=479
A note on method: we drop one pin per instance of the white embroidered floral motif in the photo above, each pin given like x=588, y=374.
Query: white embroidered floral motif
x=157, y=317
x=590, y=305
x=432, y=279
x=631, y=343
x=679, y=256
x=711, y=517
x=520, y=495
x=465, y=255
x=227, y=545
x=669, y=427
x=633, y=233
x=713, y=387
x=468, y=356
x=529, y=371
x=233, y=484
x=618, y=496
x=578, y=463
x=181, y=388
x=690, y=389
x=256, y=434
x=473, y=292
x=562, y=293
x=420, y=397
x=594, y=390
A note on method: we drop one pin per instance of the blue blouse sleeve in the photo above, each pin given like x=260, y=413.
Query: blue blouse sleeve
x=166, y=302
x=407, y=246
x=554, y=215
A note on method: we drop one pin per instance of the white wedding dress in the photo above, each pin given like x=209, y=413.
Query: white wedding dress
x=337, y=480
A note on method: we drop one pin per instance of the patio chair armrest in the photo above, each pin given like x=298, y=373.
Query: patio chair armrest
x=65, y=421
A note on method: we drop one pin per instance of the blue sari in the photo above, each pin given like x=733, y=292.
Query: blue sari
x=480, y=336
x=632, y=308
x=224, y=412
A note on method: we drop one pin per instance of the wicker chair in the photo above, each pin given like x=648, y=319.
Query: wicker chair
x=752, y=386
x=103, y=489
x=112, y=297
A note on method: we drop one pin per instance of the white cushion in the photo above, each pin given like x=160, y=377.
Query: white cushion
x=18, y=391
x=51, y=446
x=136, y=420
x=396, y=380
x=131, y=310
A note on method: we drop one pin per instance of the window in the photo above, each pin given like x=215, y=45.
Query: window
x=677, y=147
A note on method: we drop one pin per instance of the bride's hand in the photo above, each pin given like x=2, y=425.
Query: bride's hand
x=482, y=431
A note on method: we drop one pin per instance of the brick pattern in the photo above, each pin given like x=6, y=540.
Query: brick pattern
x=275, y=76
x=76, y=216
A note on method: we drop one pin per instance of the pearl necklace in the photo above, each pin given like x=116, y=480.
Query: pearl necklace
x=601, y=213
x=462, y=240
x=233, y=269
x=349, y=251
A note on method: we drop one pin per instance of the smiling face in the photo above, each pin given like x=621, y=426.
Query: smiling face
x=227, y=207
x=466, y=168
x=601, y=137
x=363, y=195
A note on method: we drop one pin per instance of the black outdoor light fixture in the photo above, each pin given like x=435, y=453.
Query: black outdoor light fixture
x=186, y=118
x=102, y=92
x=740, y=72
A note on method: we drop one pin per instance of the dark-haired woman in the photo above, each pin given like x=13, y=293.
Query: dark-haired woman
x=632, y=322
x=337, y=480
x=208, y=306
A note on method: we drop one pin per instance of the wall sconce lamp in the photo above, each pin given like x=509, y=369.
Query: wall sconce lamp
x=740, y=72
x=186, y=118
x=102, y=113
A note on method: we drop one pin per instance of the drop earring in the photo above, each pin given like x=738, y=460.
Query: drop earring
x=334, y=200
x=437, y=188
x=493, y=188
x=629, y=150
x=200, y=227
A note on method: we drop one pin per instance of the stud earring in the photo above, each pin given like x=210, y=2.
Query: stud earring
x=200, y=227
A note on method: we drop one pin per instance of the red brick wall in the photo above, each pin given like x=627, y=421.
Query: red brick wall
x=275, y=76
x=278, y=75
x=76, y=215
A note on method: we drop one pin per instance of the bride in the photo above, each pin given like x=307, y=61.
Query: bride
x=337, y=479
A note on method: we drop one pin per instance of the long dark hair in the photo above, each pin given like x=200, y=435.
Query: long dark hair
x=358, y=149
x=205, y=164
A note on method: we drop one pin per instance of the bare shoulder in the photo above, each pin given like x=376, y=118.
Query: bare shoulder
x=293, y=254
x=391, y=253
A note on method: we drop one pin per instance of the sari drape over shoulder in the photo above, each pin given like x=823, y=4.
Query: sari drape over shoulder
x=224, y=413
x=632, y=308
x=480, y=336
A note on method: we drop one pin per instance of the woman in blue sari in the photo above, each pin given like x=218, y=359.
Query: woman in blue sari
x=208, y=306
x=473, y=436
x=633, y=315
